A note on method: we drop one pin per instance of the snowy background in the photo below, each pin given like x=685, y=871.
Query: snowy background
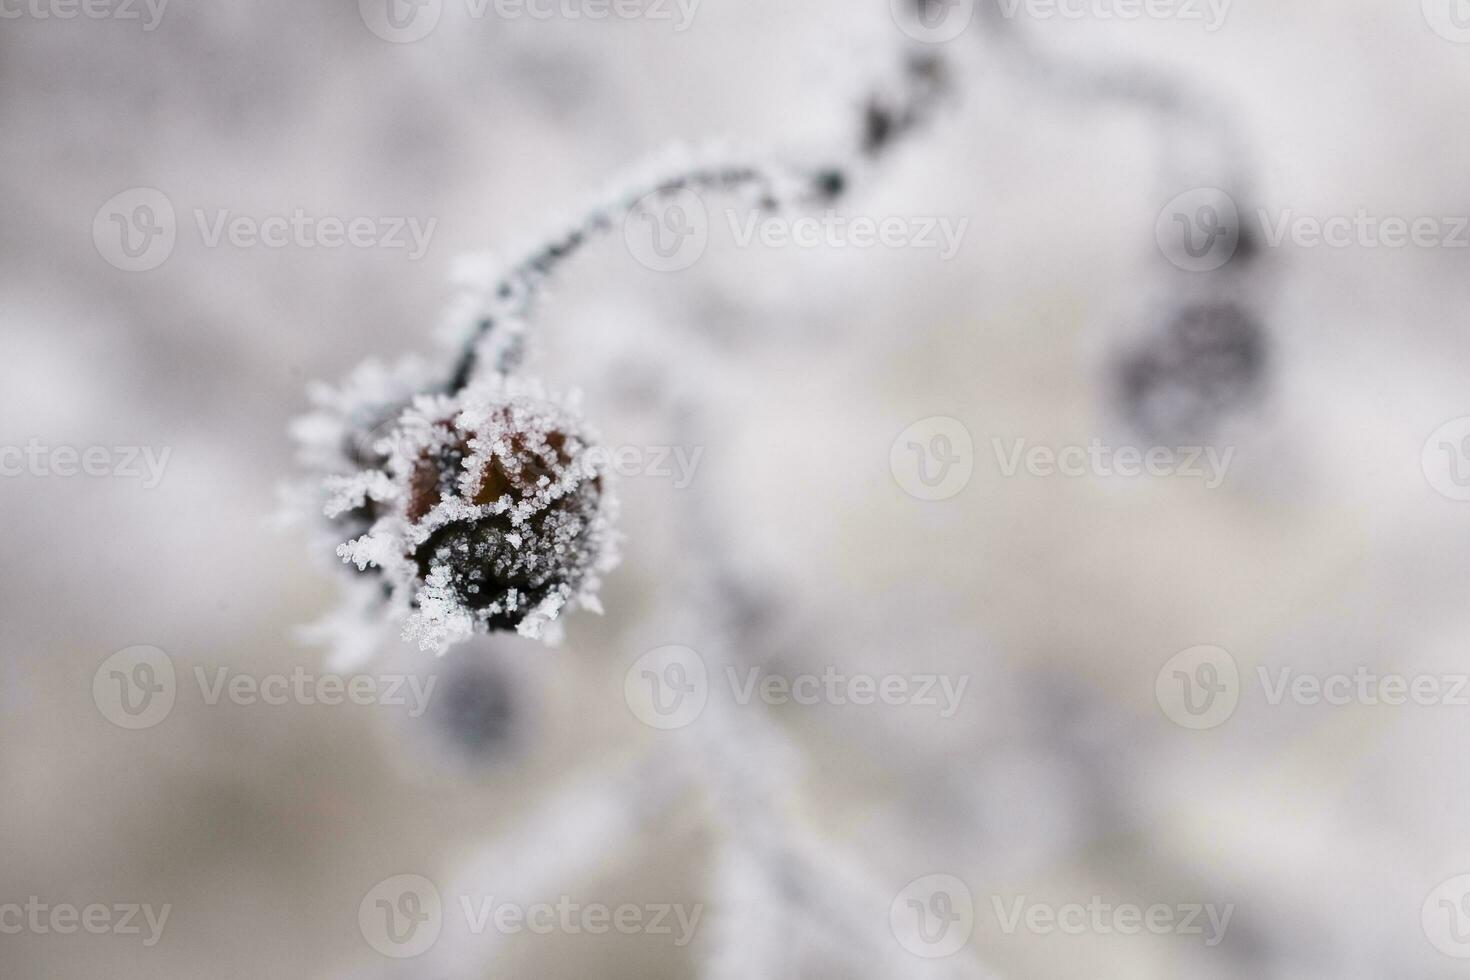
x=1334, y=833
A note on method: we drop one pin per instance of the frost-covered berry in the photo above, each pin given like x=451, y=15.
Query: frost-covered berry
x=493, y=512
x=1208, y=361
x=343, y=437
x=539, y=513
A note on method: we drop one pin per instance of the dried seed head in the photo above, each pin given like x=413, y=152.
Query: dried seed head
x=494, y=515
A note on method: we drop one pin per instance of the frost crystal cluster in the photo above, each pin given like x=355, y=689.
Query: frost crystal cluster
x=474, y=511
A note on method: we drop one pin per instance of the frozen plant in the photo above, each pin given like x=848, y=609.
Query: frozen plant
x=466, y=498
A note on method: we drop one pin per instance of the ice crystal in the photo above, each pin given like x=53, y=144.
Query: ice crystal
x=477, y=511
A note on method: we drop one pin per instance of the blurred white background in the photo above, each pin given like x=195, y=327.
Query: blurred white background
x=1062, y=776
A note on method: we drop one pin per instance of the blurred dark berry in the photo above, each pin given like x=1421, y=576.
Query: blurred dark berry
x=1208, y=362
x=473, y=712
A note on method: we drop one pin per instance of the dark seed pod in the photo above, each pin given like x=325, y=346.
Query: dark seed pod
x=1181, y=384
x=499, y=513
x=508, y=561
